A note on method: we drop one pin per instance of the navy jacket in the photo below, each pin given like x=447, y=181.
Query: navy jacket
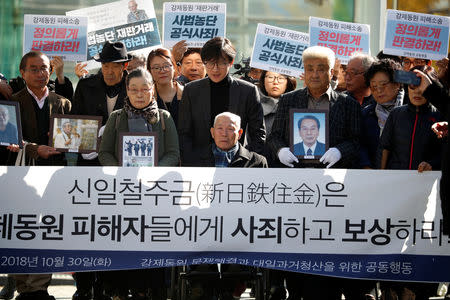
x=409, y=138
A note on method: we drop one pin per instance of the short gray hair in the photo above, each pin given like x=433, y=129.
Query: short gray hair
x=233, y=117
x=138, y=73
x=366, y=59
x=320, y=52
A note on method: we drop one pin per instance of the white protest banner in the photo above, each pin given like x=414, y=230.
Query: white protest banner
x=416, y=35
x=194, y=22
x=279, y=50
x=134, y=25
x=55, y=36
x=61, y=219
x=343, y=38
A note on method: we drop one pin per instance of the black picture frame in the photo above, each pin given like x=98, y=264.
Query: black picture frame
x=298, y=144
x=12, y=134
x=144, y=157
x=85, y=127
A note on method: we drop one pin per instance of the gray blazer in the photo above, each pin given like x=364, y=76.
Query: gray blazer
x=194, y=121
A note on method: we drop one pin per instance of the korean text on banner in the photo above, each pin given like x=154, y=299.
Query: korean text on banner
x=343, y=38
x=279, y=50
x=194, y=22
x=416, y=35
x=56, y=36
x=328, y=222
x=134, y=25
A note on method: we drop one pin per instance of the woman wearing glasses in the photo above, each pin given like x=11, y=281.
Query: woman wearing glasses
x=140, y=113
x=388, y=95
x=271, y=86
x=168, y=91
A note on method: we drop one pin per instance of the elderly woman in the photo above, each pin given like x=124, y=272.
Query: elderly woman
x=140, y=113
x=388, y=95
x=167, y=90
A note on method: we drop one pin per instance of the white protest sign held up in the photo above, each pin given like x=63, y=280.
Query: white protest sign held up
x=134, y=25
x=416, y=35
x=194, y=22
x=343, y=38
x=279, y=50
x=56, y=36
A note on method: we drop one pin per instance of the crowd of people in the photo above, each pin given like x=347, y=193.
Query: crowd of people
x=203, y=116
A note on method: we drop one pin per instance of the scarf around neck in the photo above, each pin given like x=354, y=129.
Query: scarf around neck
x=148, y=113
x=383, y=110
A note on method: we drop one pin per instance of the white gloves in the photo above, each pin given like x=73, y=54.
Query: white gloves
x=93, y=155
x=332, y=156
x=89, y=156
x=101, y=130
x=286, y=157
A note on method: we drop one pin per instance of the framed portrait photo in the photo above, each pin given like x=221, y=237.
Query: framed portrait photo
x=138, y=149
x=308, y=133
x=10, y=125
x=75, y=133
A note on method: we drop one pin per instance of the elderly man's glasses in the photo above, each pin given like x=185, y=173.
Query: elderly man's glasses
x=353, y=73
x=38, y=70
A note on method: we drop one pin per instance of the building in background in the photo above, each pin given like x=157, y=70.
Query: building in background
x=242, y=19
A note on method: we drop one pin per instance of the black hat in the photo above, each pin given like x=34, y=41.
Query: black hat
x=113, y=52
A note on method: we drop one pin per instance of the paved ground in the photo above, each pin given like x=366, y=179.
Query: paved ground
x=63, y=286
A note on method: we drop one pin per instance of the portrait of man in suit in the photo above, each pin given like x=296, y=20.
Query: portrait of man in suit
x=309, y=131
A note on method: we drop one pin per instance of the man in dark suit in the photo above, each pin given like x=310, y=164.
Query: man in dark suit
x=344, y=131
x=308, y=129
x=204, y=99
x=37, y=104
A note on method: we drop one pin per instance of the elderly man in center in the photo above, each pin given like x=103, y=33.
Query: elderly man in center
x=344, y=131
x=204, y=99
x=226, y=151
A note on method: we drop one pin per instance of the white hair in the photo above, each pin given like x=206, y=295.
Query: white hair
x=319, y=52
x=366, y=59
x=233, y=117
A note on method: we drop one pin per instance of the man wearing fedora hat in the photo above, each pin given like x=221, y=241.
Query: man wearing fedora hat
x=102, y=93
x=99, y=95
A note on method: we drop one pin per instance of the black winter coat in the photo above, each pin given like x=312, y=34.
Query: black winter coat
x=409, y=138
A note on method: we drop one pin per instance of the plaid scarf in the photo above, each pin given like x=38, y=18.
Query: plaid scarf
x=149, y=113
x=224, y=158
